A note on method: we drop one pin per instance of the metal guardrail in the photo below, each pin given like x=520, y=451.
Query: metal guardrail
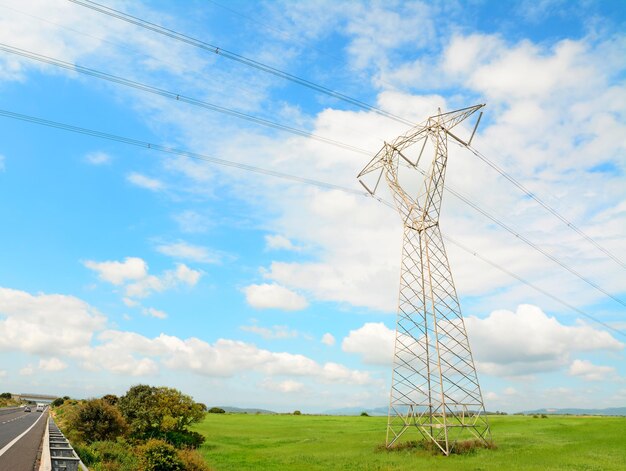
x=58, y=454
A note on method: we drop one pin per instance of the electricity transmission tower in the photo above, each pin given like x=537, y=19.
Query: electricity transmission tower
x=434, y=383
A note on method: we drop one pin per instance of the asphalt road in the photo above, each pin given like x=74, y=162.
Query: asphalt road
x=21, y=455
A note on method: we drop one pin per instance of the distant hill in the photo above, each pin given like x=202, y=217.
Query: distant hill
x=357, y=411
x=239, y=410
x=609, y=411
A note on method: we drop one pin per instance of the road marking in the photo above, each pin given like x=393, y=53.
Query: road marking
x=10, y=444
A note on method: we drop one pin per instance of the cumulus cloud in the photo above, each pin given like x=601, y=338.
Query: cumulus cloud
x=51, y=364
x=279, y=242
x=373, y=342
x=28, y=370
x=276, y=332
x=71, y=328
x=528, y=341
x=117, y=273
x=142, y=181
x=2, y=159
x=186, y=251
x=274, y=296
x=328, y=339
x=287, y=386
x=52, y=322
x=133, y=273
x=154, y=313
x=98, y=158
x=505, y=343
x=590, y=372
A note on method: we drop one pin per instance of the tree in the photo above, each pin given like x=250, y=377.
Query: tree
x=152, y=411
x=57, y=402
x=111, y=399
x=96, y=420
x=216, y=410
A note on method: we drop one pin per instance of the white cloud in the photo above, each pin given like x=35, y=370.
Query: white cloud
x=185, y=251
x=273, y=296
x=190, y=221
x=28, y=370
x=373, y=342
x=130, y=302
x=2, y=166
x=279, y=242
x=528, y=341
x=328, y=339
x=276, y=332
x=143, y=285
x=53, y=323
x=287, y=386
x=143, y=181
x=117, y=273
x=154, y=313
x=3, y=373
x=98, y=158
x=51, y=364
x=590, y=372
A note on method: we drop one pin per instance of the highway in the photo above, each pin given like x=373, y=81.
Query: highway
x=20, y=437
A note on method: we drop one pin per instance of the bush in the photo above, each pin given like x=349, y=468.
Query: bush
x=544, y=416
x=96, y=420
x=216, y=410
x=192, y=460
x=6, y=395
x=57, y=402
x=364, y=414
x=184, y=439
x=156, y=455
x=151, y=412
x=297, y=412
x=111, y=399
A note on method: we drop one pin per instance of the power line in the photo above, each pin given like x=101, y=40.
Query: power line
x=545, y=205
x=319, y=88
x=533, y=286
x=235, y=57
x=175, y=151
x=250, y=168
x=174, y=96
x=195, y=155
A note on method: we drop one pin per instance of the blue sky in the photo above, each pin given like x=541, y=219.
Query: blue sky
x=123, y=265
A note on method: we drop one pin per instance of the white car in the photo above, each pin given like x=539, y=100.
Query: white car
x=40, y=407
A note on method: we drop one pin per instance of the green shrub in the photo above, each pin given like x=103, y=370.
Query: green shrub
x=87, y=455
x=57, y=402
x=184, y=439
x=6, y=395
x=364, y=414
x=297, y=412
x=192, y=460
x=156, y=455
x=544, y=416
x=96, y=420
x=216, y=410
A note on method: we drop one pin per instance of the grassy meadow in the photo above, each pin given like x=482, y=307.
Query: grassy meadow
x=305, y=442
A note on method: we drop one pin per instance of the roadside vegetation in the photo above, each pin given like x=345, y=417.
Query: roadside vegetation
x=7, y=401
x=147, y=429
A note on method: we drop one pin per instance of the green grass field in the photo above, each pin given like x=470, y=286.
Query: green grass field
x=286, y=442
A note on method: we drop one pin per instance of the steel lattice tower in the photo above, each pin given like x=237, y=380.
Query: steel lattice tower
x=434, y=383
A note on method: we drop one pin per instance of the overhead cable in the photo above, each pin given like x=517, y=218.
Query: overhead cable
x=320, y=88
x=229, y=163
x=250, y=168
x=235, y=57
x=174, y=96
